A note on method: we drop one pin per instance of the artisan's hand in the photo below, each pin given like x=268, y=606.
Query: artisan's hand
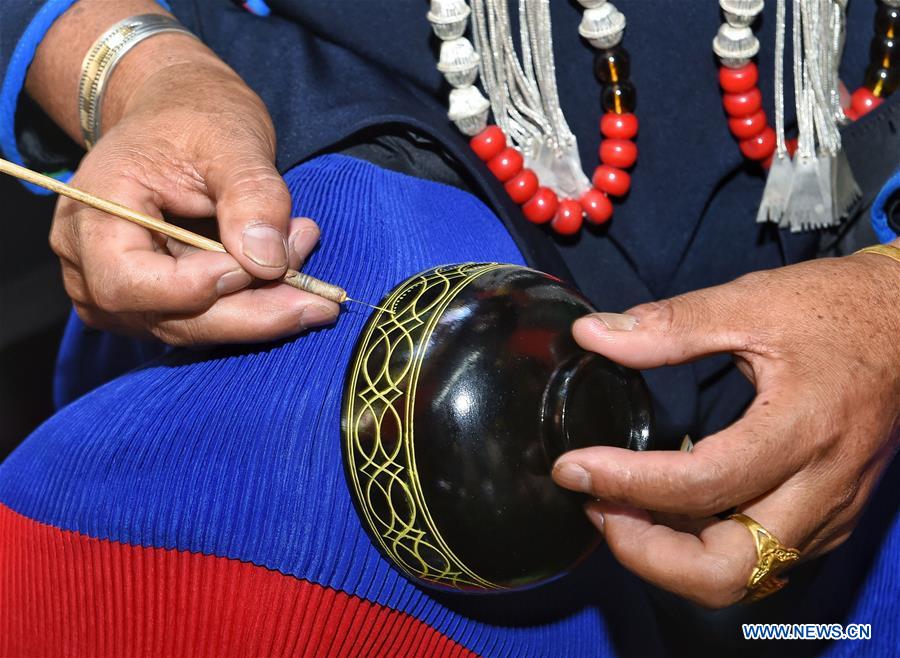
x=183, y=136
x=821, y=343
x=193, y=143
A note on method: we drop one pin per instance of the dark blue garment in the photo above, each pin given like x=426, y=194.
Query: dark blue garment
x=328, y=69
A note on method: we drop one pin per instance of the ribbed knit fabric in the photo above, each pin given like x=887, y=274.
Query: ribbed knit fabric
x=198, y=503
x=236, y=453
x=62, y=593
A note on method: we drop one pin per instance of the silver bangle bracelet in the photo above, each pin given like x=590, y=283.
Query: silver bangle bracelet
x=102, y=59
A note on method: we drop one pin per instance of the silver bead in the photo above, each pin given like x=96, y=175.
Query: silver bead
x=741, y=13
x=468, y=110
x=735, y=43
x=603, y=27
x=591, y=4
x=449, y=18
x=459, y=62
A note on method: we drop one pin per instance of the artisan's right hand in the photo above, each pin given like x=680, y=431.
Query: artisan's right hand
x=190, y=140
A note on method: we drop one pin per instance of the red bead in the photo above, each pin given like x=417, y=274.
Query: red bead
x=522, y=186
x=506, y=164
x=488, y=143
x=619, y=126
x=864, y=101
x=851, y=114
x=740, y=80
x=620, y=153
x=542, y=206
x=791, y=145
x=611, y=180
x=568, y=218
x=749, y=126
x=744, y=104
x=761, y=146
x=596, y=206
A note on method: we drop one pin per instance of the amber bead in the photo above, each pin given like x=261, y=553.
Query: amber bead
x=881, y=81
x=619, y=98
x=613, y=65
x=885, y=51
x=887, y=21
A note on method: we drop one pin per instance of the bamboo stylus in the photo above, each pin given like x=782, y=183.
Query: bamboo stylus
x=293, y=278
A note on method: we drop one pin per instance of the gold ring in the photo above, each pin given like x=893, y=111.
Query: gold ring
x=772, y=558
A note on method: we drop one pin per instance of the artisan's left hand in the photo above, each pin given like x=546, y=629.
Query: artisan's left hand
x=821, y=343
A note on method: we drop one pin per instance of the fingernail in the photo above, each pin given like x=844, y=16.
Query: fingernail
x=303, y=242
x=615, y=321
x=314, y=315
x=595, y=515
x=232, y=282
x=572, y=476
x=265, y=246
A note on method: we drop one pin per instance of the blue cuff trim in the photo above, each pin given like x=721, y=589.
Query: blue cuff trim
x=258, y=7
x=14, y=81
x=879, y=212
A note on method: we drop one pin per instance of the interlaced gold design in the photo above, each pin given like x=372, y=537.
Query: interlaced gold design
x=772, y=558
x=378, y=426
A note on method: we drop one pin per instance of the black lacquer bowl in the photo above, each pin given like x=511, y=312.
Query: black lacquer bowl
x=456, y=407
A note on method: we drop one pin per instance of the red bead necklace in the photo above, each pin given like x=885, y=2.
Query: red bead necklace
x=741, y=99
x=541, y=205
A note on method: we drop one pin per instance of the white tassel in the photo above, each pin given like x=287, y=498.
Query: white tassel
x=823, y=190
x=781, y=173
x=523, y=91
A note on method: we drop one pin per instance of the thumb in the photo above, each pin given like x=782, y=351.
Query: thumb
x=253, y=208
x=667, y=332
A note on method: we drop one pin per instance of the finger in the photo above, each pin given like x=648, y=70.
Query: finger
x=722, y=471
x=668, y=332
x=713, y=567
x=303, y=238
x=262, y=314
x=253, y=210
x=124, y=274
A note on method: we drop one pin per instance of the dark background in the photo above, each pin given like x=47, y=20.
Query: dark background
x=33, y=310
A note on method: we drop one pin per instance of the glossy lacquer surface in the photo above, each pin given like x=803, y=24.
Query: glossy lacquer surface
x=456, y=408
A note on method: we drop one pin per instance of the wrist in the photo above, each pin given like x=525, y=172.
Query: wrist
x=163, y=56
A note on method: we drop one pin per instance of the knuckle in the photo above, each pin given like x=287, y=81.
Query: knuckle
x=178, y=333
x=726, y=586
x=88, y=316
x=106, y=294
x=257, y=183
x=704, y=492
